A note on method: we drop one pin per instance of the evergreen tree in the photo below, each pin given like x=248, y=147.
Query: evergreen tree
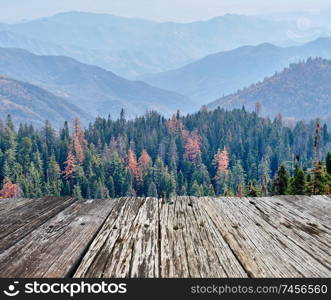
x=77, y=192
x=328, y=163
x=281, y=183
x=252, y=190
x=54, y=183
x=196, y=190
x=183, y=155
x=152, y=191
x=298, y=183
x=319, y=179
x=111, y=187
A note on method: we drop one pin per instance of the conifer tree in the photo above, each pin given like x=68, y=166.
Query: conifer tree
x=196, y=190
x=70, y=165
x=240, y=192
x=54, y=184
x=319, y=179
x=298, y=183
x=328, y=163
x=77, y=192
x=111, y=187
x=152, y=191
x=281, y=183
x=10, y=190
x=252, y=189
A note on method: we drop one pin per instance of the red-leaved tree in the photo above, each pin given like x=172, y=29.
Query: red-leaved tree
x=78, y=140
x=10, y=190
x=144, y=161
x=70, y=165
x=132, y=164
x=192, y=144
x=175, y=124
x=221, y=160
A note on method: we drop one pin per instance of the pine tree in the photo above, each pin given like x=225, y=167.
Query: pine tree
x=240, y=192
x=111, y=187
x=175, y=124
x=252, y=190
x=298, y=183
x=309, y=185
x=10, y=190
x=192, y=142
x=211, y=191
x=79, y=141
x=77, y=192
x=221, y=160
x=54, y=184
x=152, y=191
x=281, y=183
x=319, y=179
x=196, y=190
x=328, y=163
x=132, y=164
x=144, y=161
x=70, y=165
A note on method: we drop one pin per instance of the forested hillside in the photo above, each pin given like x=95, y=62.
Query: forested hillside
x=91, y=88
x=28, y=103
x=206, y=153
x=226, y=72
x=300, y=92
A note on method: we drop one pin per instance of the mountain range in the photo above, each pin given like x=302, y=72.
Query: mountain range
x=27, y=103
x=132, y=47
x=224, y=73
x=91, y=88
x=300, y=92
x=73, y=60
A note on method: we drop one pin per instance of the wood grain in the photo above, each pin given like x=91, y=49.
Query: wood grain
x=281, y=236
x=55, y=247
x=25, y=215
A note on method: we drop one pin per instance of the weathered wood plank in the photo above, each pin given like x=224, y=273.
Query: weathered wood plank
x=7, y=205
x=318, y=207
x=150, y=239
x=285, y=236
x=262, y=249
x=54, y=248
x=127, y=245
x=306, y=231
x=191, y=246
x=27, y=215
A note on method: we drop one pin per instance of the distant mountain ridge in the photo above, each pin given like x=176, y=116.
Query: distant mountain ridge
x=224, y=73
x=132, y=47
x=27, y=103
x=92, y=89
x=300, y=92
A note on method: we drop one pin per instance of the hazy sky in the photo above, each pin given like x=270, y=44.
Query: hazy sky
x=160, y=10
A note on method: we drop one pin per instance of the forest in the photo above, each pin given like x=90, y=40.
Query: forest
x=202, y=154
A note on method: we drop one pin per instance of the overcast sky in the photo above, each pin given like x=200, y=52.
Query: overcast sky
x=160, y=10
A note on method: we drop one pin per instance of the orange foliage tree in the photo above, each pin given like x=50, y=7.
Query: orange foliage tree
x=10, y=190
x=132, y=164
x=78, y=140
x=70, y=165
x=144, y=161
x=192, y=144
x=221, y=160
x=240, y=192
x=175, y=124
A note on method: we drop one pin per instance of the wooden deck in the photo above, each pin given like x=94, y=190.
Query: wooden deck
x=287, y=236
